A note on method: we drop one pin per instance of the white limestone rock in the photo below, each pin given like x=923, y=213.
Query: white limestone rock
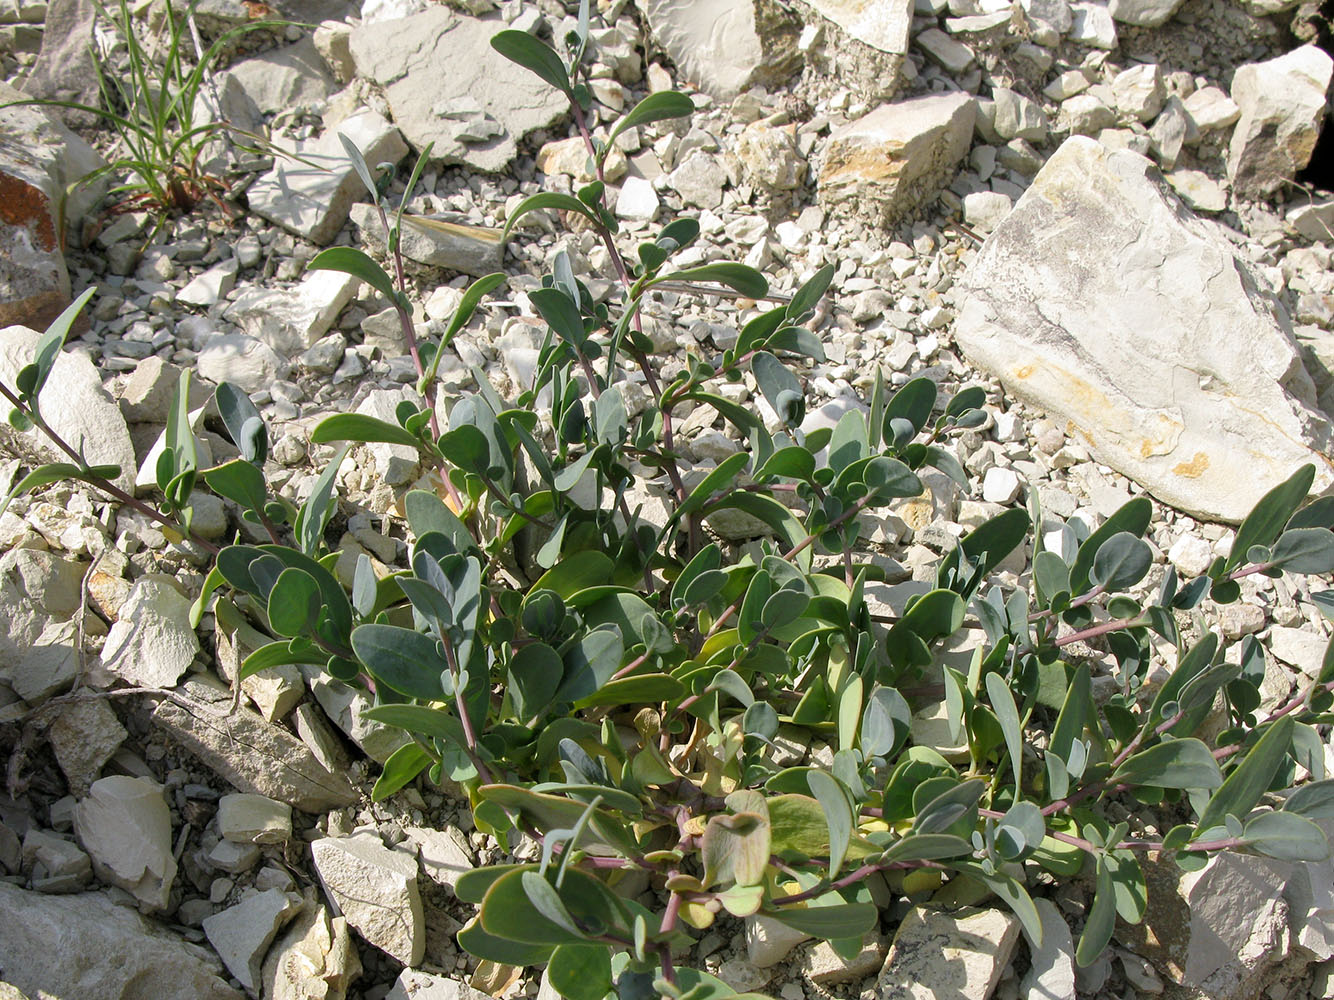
x=1283, y=106
x=125, y=826
x=291, y=320
x=312, y=201
x=152, y=644
x=254, y=819
x=376, y=890
x=241, y=934
x=73, y=403
x=898, y=156
x=1163, y=385
x=84, y=945
x=938, y=954
x=723, y=46
x=447, y=86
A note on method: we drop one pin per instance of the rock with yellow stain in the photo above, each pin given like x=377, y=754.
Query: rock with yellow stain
x=1104, y=301
x=898, y=156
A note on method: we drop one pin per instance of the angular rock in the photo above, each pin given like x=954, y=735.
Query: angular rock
x=65, y=69
x=247, y=363
x=241, y=934
x=254, y=819
x=1218, y=930
x=899, y=155
x=1314, y=221
x=1139, y=91
x=146, y=397
x=951, y=55
x=1300, y=648
x=291, y=320
x=442, y=79
x=1209, y=108
x=84, y=735
x=376, y=889
x=1017, y=117
x=73, y=403
x=825, y=967
x=395, y=464
x=39, y=159
x=444, y=854
x=49, y=665
x=938, y=954
x=344, y=705
x=55, y=864
x=124, y=824
x=699, y=179
x=637, y=201
x=1085, y=114
x=1283, y=106
x=86, y=946
x=726, y=46
x=312, y=198
x=769, y=941
x=1051, y=970
x=1143, y=13
x=1134, y=376
x=250, y=753
x=211, y=286
x=769, y=157
x=434, y=242
x=152, y=644
x=414, y=985
x=883, y=25
x=1091, y=24
x=285, y=78
x=315, y=959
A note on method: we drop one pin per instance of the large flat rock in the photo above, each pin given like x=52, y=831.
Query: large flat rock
x=445, y=84
x=86, y=946
x=1103, y=300
x=726, y=46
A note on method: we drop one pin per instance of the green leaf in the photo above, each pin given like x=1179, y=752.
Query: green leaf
x=50, y=342
x=561, y=314
x=722, y=476
x=838, y=815
x=362, y=429
x=807, y=297
x=359, y=164
x=657, y=107
x=478, y=290
x=1133, y=516
x=1121, y=562
x=1265, y=522
x=738, y=277
x=534, y=56
x=244, y=424
x=318, y=508
x=534, y=674
x=947, y=808
x=350, y=260
x=499, y=948
x=277, y=654
x=547, y=199
x=1286, y=836
x=1304, y=550
x=842, y=920
x=927, y=847
x=426, y=512
x=509, y=911
x=407, y=661
x=1002, y=703
x=1101, y=919
x=590, y=663
x=781, y=388
x=988, y=544
x=1243, y=787
x=913, y=403
x=575, y=573
x=403, y=765
x=1185, y=763
x=885, y=723
x=241, y=482
x=434, y=723
x=1314, y=800
x=294, y=602
x=792, y=462
x=639, y=688
x=581, y=972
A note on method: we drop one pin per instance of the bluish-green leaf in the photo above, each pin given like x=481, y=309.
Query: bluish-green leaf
x=663, y=105
x=360, y=428
x=1121, y=562
x=838, y=921
x=1265, y=522
x=1304, y=550
x=1101, y=919
x=403, y=765
x=738, y=277
x=1286, y=836
x=350, y=260
x=533, y=55
x=1185, y=763
x=838, y=814
x=1241, y=790
x=407, y=661
x=1002, y=703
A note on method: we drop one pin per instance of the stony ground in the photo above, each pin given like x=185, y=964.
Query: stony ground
x=1133, y=332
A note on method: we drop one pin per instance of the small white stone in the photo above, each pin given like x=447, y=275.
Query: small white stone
x=1191, y=556
x=1000, y=485
x=637, y=200
x=254, y=819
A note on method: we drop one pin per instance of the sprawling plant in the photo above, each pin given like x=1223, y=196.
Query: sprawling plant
x=612, y=684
